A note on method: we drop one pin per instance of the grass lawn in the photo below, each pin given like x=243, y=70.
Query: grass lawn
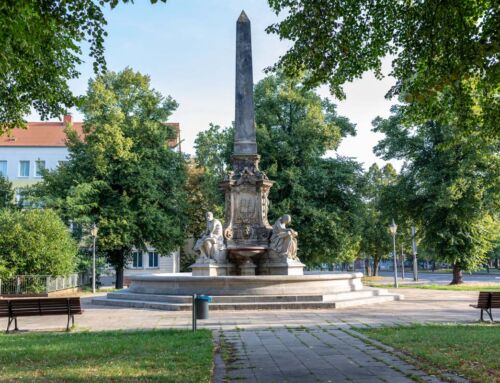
x=469, y=350
x=464, y=287
x=111, y=356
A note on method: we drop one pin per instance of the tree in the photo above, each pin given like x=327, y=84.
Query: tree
x=41, y=52
x=123, y=175
x=35, y=242
x=447, y=185
x=6, y=193
x=214, y=148
x=445, y=54
x=377, y=214
x=295, y=129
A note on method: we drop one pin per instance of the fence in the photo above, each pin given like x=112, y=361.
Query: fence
x=41, y=284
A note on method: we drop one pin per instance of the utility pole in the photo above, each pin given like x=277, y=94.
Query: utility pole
x=414, y=253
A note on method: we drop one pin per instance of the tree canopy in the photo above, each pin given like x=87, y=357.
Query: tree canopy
x=447, y=185
x=123, y=175
x=377, y=214
x=35, y=242
x=41, y=50
x=445, y=55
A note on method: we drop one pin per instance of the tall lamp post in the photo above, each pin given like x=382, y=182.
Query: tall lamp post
x=414, y=252
x=402, y=263
x=93, y=233
x=393, y=228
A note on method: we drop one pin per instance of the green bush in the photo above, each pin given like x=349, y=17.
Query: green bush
x=35, y=242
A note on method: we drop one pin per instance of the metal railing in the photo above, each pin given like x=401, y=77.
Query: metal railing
x=40, y=284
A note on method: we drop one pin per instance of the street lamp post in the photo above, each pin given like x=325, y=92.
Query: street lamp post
x=414, y=252
x=93, y=233
x=393, y=228
x=402, y=263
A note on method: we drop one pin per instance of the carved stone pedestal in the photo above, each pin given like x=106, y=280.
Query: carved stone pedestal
x=247, y=267
x=281, y=267
x=212, y=269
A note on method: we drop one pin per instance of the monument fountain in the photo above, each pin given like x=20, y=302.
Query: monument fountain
x=246, y=263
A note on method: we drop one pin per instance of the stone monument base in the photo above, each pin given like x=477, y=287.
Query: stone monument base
x=212, y=269
x=248, y=268
x=286, y=267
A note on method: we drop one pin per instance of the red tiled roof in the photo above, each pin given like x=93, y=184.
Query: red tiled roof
x=52, y=134
x=39, y=134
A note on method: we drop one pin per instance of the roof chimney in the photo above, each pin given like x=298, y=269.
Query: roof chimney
x=67, y=119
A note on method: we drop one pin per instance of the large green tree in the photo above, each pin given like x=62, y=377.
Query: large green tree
x=445, y=54
x=41, y=50
x=447, y=185
x=123, y=175
x=295, y=130
x=35, y=242
x=378, y=212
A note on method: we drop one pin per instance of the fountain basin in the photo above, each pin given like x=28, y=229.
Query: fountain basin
x=245, y=285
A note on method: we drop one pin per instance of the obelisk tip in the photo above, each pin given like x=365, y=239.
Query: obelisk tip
x=243, y=18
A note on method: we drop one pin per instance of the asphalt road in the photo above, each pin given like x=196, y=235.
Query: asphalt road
x=446, y=277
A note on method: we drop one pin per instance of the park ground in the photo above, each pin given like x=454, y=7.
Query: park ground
x=430, y=336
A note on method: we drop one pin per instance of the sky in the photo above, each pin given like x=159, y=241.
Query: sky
x=187, y=47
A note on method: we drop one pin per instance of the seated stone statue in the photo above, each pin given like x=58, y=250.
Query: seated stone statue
x=283, y=240
x=211, y=242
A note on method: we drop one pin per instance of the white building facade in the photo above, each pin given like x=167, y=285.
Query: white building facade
x=24, y=153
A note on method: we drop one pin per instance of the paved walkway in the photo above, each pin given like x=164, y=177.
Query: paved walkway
x=293, y=346
x=315, y=354
x=418, y=306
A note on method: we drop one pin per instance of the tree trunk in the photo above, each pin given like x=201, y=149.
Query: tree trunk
x=457, y=275
x=119, y=277
x=376, y=261
x=368, y=268
x=497, y=261
x=118, y=259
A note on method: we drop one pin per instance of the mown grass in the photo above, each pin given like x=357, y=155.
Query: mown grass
x=465, y=287
x=111, y=356
x=469, y=350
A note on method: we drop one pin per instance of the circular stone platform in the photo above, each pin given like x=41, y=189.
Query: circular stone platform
x=172, y=284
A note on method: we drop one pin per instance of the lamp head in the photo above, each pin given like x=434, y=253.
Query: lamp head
x=93, y=230
x=393, y=228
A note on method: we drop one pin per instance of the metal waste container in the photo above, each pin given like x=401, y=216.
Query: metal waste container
x=201, y=306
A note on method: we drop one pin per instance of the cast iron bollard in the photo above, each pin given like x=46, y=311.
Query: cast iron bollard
x=200, y=308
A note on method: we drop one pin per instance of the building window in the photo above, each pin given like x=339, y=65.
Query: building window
x=39, y=168
x=153, y=259
x=3, y=169
x=137, y=260
x=24, y=168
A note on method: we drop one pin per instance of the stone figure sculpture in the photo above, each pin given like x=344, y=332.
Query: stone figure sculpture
x=284, y=240
x=211, y=243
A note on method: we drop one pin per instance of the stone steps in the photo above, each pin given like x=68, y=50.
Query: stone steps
x=126, y=295
x=277, y=302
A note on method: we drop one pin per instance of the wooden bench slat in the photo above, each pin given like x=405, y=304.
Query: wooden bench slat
x=486, y=301
x=23, y=307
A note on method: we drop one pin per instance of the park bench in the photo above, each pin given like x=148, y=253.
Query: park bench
x=488, y=300
x=13, y=308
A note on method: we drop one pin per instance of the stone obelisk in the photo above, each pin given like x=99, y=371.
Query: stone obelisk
x=244, y=138
x=246, y=188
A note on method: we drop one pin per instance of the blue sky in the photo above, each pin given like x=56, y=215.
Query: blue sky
x=188, y=49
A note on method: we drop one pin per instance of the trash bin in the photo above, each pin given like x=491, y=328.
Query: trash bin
x=201, y=305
